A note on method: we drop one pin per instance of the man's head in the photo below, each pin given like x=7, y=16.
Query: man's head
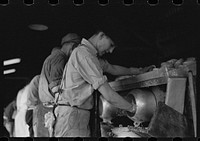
x=103, y=43
x=69, y=42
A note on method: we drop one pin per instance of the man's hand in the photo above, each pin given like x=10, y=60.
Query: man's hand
x=147, y=69
x=131, y=112
x=121, y=112
x=135, y=71
x=123, y=77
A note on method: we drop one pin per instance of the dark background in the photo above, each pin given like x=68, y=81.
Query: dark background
x=144, y=34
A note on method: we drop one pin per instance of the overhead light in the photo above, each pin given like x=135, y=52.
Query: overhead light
x=38, y=27
x=9, y=71
x=11, y=61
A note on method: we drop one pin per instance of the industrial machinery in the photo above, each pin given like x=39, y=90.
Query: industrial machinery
x=155, y=108
x=144, y=100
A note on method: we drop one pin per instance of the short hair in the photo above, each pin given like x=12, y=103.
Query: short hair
x=71, y=38
x=107, y=34
x=97, y=32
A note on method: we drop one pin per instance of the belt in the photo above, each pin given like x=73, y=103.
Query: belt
x=53, y=105
x=72, y=106
x=59, y=104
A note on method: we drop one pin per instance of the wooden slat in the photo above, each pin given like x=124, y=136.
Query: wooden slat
x=148, y=83
x=142, y=77
x=152, y=78
x=193, y=102
x=175, y=95
x=176, y=73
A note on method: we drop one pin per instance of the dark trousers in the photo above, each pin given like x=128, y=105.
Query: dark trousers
x=29, y=121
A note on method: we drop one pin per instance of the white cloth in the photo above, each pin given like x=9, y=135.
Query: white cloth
x=71, y=122
x=21, y=128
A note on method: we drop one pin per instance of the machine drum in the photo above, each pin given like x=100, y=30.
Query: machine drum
x=106, y=111
x=145, y=104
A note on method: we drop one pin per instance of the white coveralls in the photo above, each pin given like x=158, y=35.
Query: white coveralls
x=21, y=128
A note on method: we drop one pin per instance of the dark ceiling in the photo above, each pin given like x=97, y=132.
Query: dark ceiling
x=144, y=34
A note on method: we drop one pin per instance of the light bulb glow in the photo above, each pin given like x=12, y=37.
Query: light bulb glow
x=9, y=71
x=11, y=61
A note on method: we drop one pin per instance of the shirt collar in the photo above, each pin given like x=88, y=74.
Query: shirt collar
x=89, y=45
x=57, y=50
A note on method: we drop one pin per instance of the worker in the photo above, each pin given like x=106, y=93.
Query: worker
x=21, y=128
x=32, y=102
x=49, y=83
x=8, y=117
x=82, y=75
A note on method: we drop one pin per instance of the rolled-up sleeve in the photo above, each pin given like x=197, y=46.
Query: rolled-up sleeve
x=89, y=68
x=33, y=97
x=104, y=65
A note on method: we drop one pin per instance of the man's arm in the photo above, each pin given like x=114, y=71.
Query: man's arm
x=33, y=96
x=115, y=99
x=92, y=73
x=120, y=70
x=53, y=69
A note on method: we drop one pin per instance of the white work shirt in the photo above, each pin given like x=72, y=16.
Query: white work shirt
x=82, y=75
